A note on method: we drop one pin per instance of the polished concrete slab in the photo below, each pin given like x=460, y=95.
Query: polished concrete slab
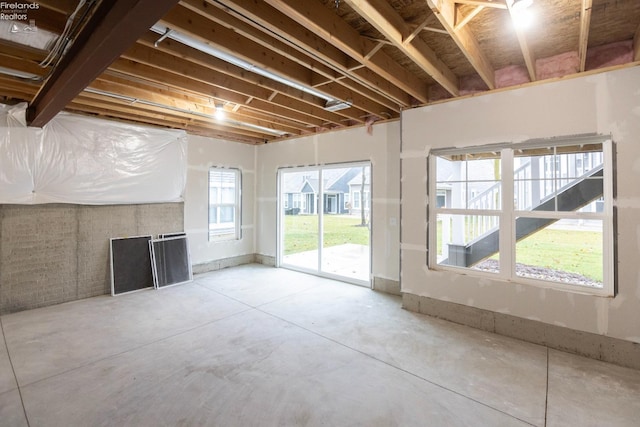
x=254, y=345
x=582, y=390
x=7, y=379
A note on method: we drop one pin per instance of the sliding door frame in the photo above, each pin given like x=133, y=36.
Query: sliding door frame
x=320, y=212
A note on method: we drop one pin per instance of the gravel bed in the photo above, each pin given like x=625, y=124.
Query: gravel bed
x=541, y=273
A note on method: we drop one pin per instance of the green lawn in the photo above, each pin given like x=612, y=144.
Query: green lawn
x=301, y=232
x=564, y=250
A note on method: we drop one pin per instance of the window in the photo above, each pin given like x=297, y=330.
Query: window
x=356, y=200
x=296, y=200
x=346, y=200
x=538, y=213
x=224, y=204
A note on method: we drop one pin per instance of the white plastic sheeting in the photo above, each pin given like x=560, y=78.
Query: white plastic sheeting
x=84, y=160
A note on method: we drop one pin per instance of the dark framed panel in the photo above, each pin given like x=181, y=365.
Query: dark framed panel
x=171, y=261
x=174, y=234
x=130, y=264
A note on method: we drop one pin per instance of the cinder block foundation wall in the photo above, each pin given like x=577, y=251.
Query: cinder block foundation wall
x=56, y=253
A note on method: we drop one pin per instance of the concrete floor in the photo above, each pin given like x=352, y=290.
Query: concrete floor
x=254, y=345
x=349, y=260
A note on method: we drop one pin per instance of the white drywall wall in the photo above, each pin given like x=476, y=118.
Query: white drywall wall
x=607, y=103
x=204, y=153
x=382, y=148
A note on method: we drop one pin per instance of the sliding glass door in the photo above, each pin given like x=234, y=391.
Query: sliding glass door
x=325, y=221
x=299, y=218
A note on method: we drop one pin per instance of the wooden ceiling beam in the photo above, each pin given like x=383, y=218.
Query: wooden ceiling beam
x=226, y=40
x=146, y=72
x=22, y=65
x=385, y=19
x=206, y=31
x=151, y=111
x=111, y=29
x=497, y=4
x=467, y=18
x=529, y=59
x=169, y=63
x=300, y=38
x=21, y=51
x=324, y=23
x=177, y=49
x=445, y=11
x=200, y=80
x=89, y=106
x=247, y=114
x=268, y=43
x=296, y=111
x=177, y=102
x=585, y=21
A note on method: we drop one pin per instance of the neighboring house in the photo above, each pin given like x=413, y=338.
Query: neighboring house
x=360, y=197
x=301, y=190
x=536, y=178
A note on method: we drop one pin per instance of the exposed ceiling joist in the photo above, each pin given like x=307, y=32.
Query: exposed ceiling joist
x=112, y=28
x=176, y=102
x=228, y=40
x=385, y=19
x=186, y=53
x=467, y=18
x=445, y=11
x=529, y=59
x=299, y=37
x=497, y=4
x=322, y=21
x=292, y=62
x=585, y=19
x=296, y=110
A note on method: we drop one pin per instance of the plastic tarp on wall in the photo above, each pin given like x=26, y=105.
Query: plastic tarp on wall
x=83, y=160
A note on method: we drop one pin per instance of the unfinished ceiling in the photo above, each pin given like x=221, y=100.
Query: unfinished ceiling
x=257, y=71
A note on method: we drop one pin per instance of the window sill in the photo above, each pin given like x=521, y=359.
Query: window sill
x=526, y=281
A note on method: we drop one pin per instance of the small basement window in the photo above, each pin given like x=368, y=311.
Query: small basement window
x=539, y=213
x=224, y=204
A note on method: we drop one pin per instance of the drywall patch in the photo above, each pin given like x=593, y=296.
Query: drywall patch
x=413, y=247
x=602, y=312
x=414, y=154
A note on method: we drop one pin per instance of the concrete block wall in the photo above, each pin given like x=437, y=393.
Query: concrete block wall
x=56, y=253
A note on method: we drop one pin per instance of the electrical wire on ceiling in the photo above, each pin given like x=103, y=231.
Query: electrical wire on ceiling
x=63, y=39
x=61, y=44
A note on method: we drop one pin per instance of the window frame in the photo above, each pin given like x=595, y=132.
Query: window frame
x=508, y=213
x=233, y=232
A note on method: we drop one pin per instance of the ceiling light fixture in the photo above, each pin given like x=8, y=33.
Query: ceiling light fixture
x=336, y=105
x=220, y=113
x=166, y=32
